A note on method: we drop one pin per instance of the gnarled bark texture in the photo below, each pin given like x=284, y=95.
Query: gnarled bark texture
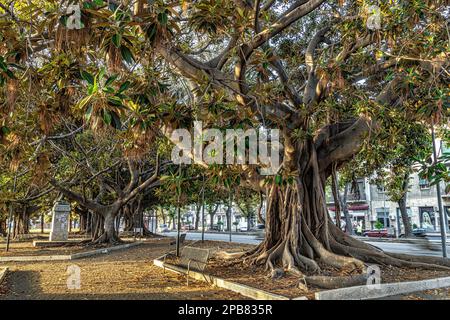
x=300, y=235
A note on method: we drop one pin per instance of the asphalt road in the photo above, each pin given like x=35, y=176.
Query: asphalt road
x=408, y=248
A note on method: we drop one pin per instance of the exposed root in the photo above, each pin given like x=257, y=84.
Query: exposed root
x=329, y=257
x=336, y=282
x=105, y=239
x=425, y=259
x=230, y=255
x=383, y=258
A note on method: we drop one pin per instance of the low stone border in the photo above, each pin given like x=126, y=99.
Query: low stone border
x=3, y=272
x=68, y=257
x=242, y=289
x=49, y=244
x=382, y=290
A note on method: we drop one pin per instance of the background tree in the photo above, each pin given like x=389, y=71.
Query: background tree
x=313, y=69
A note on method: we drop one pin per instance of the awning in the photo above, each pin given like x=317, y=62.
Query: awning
x=353, y=208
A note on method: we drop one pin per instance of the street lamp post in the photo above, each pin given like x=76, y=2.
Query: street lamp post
x=179, y=214
x=203, y=210
x=439, y=199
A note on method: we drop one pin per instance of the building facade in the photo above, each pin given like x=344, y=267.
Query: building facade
x=370, y=204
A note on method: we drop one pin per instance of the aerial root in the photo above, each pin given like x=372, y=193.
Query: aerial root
x=103, y=239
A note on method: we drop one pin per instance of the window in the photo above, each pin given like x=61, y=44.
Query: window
x=380, y=189
x=424, y=184
x=445, y=147
x=383, y=217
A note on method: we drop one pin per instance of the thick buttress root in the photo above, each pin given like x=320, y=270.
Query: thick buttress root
x=301, y=239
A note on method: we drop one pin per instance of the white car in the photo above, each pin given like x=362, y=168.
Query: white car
x=243, y=229
x=163, y=228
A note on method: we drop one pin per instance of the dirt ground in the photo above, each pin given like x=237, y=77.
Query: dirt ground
x=130, y=274
x=288, y=285
x=26, y=248
x=126, y=274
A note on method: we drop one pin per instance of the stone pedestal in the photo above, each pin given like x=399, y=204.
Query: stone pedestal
x=60, y=218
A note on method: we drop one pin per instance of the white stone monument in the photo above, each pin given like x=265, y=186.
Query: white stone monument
x=60, y=217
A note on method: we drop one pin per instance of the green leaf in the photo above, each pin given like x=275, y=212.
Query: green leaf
x=116, y=40
x=124, y=86
x=115, y=101
x=108, y=90
x=6, y=130
x=10, y=74
x=83, y=102
x=87, y=77
x=162, y=18
x=126, y=54
x=88, y=113
x=278, y=179
x=111, y=79
x=107, y=118
x=116, y=123
x=151, y=32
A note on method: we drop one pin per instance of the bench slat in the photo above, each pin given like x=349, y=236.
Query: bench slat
x=198, y=258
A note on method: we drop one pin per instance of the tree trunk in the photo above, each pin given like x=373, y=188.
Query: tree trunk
x=109, y=233
x=260, y=207
x=405, y=218
x=211, y=220
x=336, y=196
x=22, y=225
x=2, y=227
x=163, y=216
x=344, y=206
x=42, y=223
x=300, y=233
x=197, y=215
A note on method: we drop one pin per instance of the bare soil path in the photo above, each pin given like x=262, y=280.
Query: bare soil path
x=125, y=274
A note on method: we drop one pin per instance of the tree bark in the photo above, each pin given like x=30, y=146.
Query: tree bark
x=2, y=227
x=344, y=205
x=336, y=196
x=108, y=233
x=260, y=207
x=42, y=223
x=198, y=208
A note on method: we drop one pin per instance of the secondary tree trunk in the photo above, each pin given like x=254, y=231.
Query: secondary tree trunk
x=2, y=227
x=260, y=207
x=42, y=223
x=405, y=218
x=344, y=206
x=402, y=207
x=198, y=208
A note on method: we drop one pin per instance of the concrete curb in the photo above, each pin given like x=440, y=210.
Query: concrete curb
x=242, y=289
x=3, y=272
x=382, y=290
x=68, y=257
x=49, y=244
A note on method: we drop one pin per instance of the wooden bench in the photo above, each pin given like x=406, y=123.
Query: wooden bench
x=195, y=259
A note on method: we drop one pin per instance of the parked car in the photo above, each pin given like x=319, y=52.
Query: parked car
x=260, y=226
x=163, y=228
x=215, y=227
x=260, y=231
x=243, y=229
x=419, y=232
x=187, y=227
x=378, y=233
